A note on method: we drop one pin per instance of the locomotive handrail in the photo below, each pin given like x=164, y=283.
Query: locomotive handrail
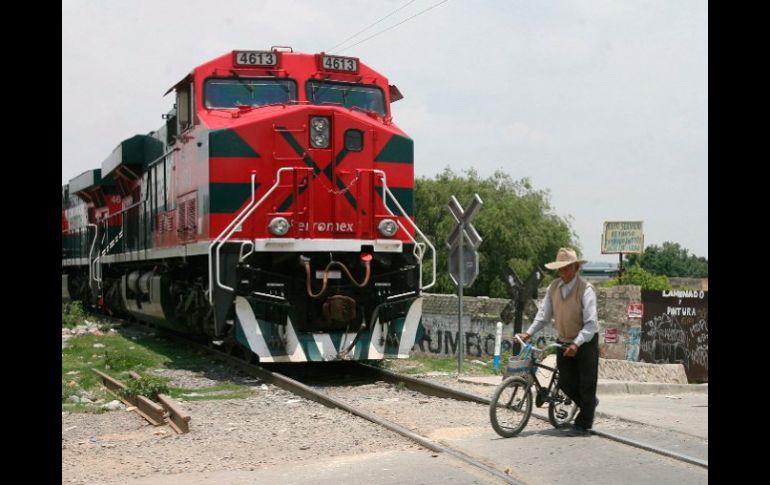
x=230, y=229
x=99, y=254
x=127, y=208
x=91, y=251
x=113, y=242
x=419, y=248
x=98, y=258
x=79, y=229
x=157, y=160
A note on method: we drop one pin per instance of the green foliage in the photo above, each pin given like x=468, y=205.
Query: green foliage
x=121, y=354
x=118, y=354
x=636, y=275
x=224, y=390
x=517, y=222
x=443, y=364
x=120, y=361
x=72, y=314
x=672, y=260
x=147, y=386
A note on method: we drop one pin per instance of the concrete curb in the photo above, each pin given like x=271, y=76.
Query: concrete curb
x=614, y=387
x=629, y=387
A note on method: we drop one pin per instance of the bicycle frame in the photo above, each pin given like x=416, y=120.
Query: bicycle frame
x=543, y=392
x=535, y=365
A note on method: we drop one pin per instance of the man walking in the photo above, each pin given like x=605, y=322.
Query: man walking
x=571, y=302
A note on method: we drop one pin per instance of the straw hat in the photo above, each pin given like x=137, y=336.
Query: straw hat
x=565, y=257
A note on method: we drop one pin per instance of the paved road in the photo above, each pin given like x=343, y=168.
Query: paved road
x=686, y=413
x=386, y=468
x=539, y=455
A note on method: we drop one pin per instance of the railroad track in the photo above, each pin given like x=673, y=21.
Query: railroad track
x=437, y=390
x=424, y=387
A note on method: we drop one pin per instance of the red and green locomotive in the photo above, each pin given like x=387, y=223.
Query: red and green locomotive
x=274, y=209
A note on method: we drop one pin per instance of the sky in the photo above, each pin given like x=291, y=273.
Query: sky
x=604, y=103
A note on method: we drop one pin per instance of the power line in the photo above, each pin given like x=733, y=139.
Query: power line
x=372, y=25
x=396, y=25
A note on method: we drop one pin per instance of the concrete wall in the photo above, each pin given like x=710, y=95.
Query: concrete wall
x=621, y=370
x=619, y=335
x=480, y=315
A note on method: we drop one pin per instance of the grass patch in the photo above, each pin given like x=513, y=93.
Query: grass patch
x=447, y=365
x=116, y=354
x=72, y=314
x=147, y=386
x=223, y=390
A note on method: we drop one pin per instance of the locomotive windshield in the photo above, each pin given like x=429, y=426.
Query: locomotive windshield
x=368, y=98
x=239, y=91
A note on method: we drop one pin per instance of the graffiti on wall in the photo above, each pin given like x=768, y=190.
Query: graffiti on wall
x=675, y=330
x=441, y=337
x=632, y=349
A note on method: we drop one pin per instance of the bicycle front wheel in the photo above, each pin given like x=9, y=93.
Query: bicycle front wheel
x=511, y=406
x=561, y=409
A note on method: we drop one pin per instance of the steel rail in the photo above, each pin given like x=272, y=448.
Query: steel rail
x=147, y=409
x=419, y=385
x=432, y=389
x=300, y=389
x=177, y=418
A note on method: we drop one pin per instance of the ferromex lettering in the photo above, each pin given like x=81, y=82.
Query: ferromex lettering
x=327, y=226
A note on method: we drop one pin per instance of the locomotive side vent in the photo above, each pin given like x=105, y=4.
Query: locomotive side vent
x=187, y=217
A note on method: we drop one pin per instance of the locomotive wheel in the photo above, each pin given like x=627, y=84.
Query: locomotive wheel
x=249, y=356
x=230, y=347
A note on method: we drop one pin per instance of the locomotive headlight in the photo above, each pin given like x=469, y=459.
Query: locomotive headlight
x=279, y=226
x=320, y=141
x=387, y=227
x=319, y=132
x=319, y=124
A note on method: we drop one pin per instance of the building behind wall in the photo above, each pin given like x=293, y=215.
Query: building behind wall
x=598, y=272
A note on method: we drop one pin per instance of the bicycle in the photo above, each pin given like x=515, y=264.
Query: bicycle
x=511, y=404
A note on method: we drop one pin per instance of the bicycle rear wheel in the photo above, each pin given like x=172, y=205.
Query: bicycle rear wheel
x=561, y=409
x=511, y=406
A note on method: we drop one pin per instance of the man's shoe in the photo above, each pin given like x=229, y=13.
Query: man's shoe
x=578, y=431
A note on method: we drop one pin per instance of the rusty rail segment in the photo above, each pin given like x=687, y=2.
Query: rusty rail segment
x=176, y=417
x=156, y=414
x=147, y=409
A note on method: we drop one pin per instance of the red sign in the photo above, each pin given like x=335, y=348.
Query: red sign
x=635, y=310
x=611, y=336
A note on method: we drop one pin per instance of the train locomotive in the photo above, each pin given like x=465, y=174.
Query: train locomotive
x=272, y=212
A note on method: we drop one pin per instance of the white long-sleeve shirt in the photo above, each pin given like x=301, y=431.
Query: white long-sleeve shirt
x=590, y=317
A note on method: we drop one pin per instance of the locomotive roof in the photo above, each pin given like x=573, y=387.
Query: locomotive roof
x=289, y=64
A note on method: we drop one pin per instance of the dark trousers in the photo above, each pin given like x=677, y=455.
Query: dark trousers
x=577, y=378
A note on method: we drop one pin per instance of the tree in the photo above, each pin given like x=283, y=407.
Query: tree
x=671, y=260
x=636, y=275
x=517, y=223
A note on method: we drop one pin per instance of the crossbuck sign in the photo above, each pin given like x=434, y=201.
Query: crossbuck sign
x=463, y=242
x=463, y=265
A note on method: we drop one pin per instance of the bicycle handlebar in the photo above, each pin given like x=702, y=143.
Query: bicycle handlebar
x=554, y=344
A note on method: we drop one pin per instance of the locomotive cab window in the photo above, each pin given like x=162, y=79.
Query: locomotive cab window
x=235, y=92
x=367, y=98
